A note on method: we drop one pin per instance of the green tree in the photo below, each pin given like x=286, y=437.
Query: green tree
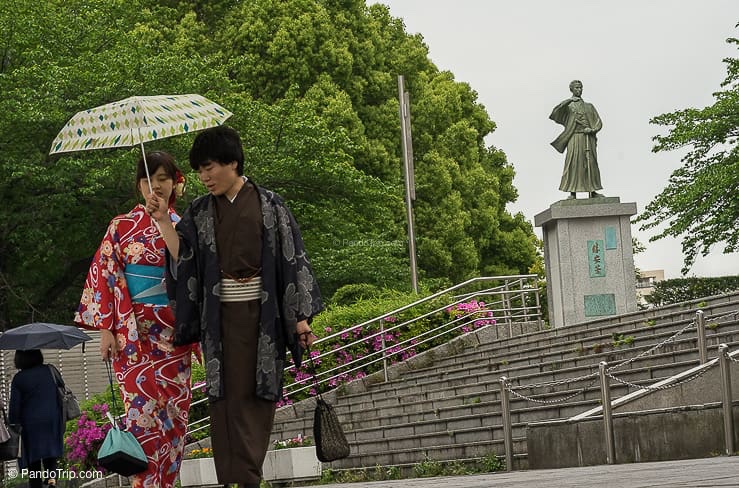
x=684, y=289
x=700, y=203
x=313, y=86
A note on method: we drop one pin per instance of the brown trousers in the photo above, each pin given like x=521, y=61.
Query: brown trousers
x=241, y=423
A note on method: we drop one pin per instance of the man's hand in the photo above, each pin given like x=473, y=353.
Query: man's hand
x=108, y=346
x=306, y=337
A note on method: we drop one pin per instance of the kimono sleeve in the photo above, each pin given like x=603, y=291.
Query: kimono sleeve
x=104, y=296
x=183, y=283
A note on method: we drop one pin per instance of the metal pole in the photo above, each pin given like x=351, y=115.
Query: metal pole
x=384, y=351
x=505, y=408
x=538, y=306
x=408, y=169
x=605, y=392
x=700, y=320
x=725, y=362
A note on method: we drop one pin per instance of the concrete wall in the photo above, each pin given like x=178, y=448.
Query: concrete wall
x=661, y=435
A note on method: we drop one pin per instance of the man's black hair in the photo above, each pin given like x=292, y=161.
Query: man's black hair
x=220, y=144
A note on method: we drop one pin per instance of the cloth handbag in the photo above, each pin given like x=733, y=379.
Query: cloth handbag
x=11, y=448
x=331, y=443
x=120, y=452
x=70, y=405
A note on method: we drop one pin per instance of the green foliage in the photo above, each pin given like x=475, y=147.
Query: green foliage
x=361, y=340
x=685, y=289
x=492, y=463
x=349, y=294
x=313, y=88
x=199, y=411
x=621, y=340
x=700, y=202
x=428, y=468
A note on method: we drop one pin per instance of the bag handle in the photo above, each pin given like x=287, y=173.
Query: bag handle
x=312, y=370
x=108, y=367
x=58, y=380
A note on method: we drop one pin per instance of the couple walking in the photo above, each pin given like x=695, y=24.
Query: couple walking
x=238, y=284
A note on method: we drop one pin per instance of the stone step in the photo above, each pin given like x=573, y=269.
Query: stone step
x=489, y=354
x=481, y=388
x=445, y=405
x=434, y=413
x=462, y=381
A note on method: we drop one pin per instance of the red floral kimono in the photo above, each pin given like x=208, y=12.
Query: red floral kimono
x=154, y=376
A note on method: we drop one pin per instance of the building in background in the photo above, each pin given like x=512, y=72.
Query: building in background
x=645, y=284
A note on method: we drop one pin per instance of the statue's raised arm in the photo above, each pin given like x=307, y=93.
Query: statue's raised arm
x=579, y=138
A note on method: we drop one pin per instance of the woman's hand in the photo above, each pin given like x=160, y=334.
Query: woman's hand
x=157, y=208
x=108, y=345
x=306, y=337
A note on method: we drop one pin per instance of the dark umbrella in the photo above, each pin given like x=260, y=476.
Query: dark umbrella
x=39, y=335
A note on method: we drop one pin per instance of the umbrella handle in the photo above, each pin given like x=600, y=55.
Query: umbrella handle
x=146, y=165
x=148, y=178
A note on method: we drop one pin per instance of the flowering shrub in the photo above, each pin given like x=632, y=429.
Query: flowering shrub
x=402, y=340
x=84, y=440
x=298, y=441
x=84, y=435
x=205, y=452
x=475, y=312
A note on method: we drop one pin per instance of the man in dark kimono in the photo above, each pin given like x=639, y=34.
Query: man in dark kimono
x=244, y=287
x=581, y=125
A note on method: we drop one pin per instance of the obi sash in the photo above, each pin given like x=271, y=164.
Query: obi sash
x=237, y=291
x=146, y=284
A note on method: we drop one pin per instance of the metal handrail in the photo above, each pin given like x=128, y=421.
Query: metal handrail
x=522, y=285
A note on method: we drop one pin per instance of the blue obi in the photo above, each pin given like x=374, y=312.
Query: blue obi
x=146, y=284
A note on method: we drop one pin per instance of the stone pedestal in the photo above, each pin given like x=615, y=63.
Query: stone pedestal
x=589, y=260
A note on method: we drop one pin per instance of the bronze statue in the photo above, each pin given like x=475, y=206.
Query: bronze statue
x=581, y=124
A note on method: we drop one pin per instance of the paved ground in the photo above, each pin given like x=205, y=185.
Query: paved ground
x=695, y=473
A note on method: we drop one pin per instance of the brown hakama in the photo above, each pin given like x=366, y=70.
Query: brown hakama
x=241, y=423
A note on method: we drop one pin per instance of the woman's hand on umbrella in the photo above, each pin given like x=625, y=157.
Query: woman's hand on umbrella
x=108, y=346
x=156, y=207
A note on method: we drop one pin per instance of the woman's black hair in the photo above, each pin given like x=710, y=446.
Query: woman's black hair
x=28, y=359
x=154, y=160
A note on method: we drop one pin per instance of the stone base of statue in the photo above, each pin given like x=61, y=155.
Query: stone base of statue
x=589, y=259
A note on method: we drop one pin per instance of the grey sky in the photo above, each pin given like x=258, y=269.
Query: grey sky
x=636, y=59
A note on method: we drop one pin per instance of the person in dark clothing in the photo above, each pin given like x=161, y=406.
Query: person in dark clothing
x=244, y=287
x=34, y=405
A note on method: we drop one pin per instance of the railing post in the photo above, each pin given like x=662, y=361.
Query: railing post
x=538, y=305
x=725, y=363
x=507, y=307
x=384, y=351
x=505, y=408
x=605, y=393
x=700, y=320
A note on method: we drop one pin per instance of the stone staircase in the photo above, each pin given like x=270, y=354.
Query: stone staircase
x=444, y=404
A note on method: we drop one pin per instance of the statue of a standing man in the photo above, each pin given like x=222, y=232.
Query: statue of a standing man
x=581, y=124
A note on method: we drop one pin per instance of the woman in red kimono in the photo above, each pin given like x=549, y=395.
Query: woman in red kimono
x=124, y=298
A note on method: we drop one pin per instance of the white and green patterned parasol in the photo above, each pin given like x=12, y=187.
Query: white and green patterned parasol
x=136, y=120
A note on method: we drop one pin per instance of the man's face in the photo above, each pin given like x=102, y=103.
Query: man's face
x=218, y=178
x=576, y=89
